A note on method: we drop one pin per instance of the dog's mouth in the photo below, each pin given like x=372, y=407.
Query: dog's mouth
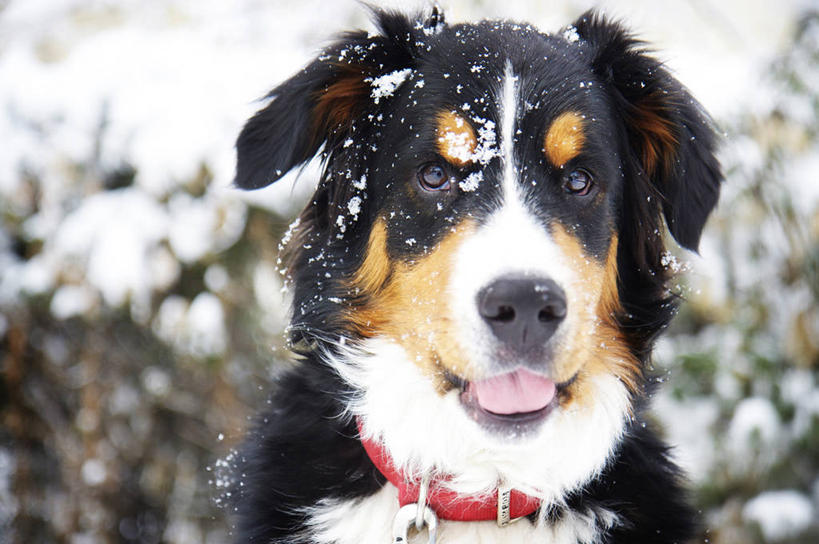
x=515, y=402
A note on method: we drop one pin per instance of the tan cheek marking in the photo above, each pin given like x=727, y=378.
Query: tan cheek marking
x=373, y=272
x=564, y=139
x=410, y=305
x=594, y=344
x=455, y=138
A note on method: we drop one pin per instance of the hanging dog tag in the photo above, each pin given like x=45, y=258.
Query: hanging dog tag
x=405, y=518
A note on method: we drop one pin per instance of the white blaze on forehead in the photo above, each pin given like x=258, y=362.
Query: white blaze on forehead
x=512, y=242
x=509, y=114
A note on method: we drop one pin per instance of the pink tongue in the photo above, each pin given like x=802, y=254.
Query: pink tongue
x=514, y=393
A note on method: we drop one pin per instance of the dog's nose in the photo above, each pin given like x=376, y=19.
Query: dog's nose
x=522, y=312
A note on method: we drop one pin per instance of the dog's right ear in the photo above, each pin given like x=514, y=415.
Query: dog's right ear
x=670, y=136
x=319, y=105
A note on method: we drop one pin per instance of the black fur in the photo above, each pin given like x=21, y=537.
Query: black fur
x=302, y=450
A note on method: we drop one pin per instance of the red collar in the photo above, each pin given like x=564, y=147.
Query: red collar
x=446, y=503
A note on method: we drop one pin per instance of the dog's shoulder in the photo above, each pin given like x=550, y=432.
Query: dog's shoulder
x=302, y=449
x=646, y=488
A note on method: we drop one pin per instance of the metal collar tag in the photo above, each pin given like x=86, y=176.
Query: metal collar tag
x=504, y=505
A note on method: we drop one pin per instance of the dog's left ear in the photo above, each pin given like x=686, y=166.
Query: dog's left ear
x=320, y=105
x=670, y=135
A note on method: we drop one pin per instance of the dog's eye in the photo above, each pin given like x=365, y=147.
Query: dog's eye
x=578, y=182
x=433, y=177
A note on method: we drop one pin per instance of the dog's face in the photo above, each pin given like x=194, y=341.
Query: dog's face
x=481, y=261
x=491, y=247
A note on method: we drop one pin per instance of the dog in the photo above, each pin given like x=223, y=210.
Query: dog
x=477, y=283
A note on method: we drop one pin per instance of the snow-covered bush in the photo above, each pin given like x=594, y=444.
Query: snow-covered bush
x=743, y=356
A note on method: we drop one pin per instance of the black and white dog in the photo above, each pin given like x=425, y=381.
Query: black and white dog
x=478, y=281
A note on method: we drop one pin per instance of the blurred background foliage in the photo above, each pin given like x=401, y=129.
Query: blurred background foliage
x=141, y=312
x=743, y=358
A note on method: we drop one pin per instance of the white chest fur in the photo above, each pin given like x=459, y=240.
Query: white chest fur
x=369, y=521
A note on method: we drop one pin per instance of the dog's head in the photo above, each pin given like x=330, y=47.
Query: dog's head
x=483, y=259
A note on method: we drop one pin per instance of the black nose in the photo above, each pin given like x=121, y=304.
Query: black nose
x=522, y=312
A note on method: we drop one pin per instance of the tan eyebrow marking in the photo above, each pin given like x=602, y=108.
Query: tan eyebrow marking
x=456, y=138
x=565, y=138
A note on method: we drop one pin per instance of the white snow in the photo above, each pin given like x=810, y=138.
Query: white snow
x=123, y=400
x=197, y=328
x=291, y=230
x=216, y=278
x=672, y=263
x=384, y=86
x=341, y=223
x=207, y=335
x=156, y=381
x=360, y=183
x=570, y=34
x=268, y=288
x=202, y=225
x=755, y=416
x=689, y=424
x=458, y=144
x=779, y=514
x=471, y=182
x=354, y=206
x=486, y=149
x=111, y=237
x=754, y=433
x=93, y=472
x=71, y=300
x=8, y=501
